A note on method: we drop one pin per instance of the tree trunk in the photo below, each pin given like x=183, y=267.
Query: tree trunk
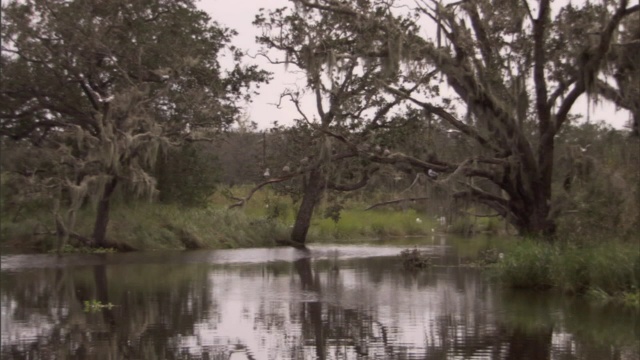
x=313, y=189
x=539, y=225
x=102, y=215
x=532, y=219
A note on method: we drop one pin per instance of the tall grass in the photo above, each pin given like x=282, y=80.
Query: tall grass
x=264, y=221
x=371, y=224
x=608, y=269
x=145, y=226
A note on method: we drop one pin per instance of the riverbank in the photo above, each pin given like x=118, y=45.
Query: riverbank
x=606, y=271
x=144, y=227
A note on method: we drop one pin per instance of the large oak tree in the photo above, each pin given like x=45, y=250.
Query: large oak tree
x=103, y=86
x=507, y=74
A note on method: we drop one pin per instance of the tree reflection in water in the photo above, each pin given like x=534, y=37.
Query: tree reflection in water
x=306, y=308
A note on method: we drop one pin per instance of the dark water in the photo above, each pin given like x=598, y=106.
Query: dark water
x=333, y=302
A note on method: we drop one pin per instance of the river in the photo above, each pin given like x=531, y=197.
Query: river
x=331, y=302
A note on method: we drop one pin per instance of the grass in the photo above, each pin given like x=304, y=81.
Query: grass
x=145, y=226
x=608, y=271
x=263, y=221
x=371, y=224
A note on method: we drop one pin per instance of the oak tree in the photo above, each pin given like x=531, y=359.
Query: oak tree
x=506, y=74
x=105, y=86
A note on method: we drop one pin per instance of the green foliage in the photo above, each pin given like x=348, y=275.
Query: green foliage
x=167, y=226
x=632, y=299
x=599, y=270
x=188, y=175
x=333, y=212
x=96, y=305
x=527, y=265
x=372, y=223
x=277, y=209
x=597, y=170
x=119, y=81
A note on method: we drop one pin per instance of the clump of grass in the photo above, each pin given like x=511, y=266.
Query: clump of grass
x=527, y=265
x=414, y=259
x=609, y=270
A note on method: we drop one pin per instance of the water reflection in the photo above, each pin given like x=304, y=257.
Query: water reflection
x=329, y=303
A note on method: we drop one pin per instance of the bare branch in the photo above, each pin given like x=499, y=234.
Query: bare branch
x=396, y=201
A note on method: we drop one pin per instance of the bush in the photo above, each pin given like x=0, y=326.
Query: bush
x=187, y=175
x=610, y=269
x=527, y=265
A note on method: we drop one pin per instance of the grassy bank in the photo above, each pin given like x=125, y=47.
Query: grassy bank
x=145, y=226
x=606, y=270
x=156, y=226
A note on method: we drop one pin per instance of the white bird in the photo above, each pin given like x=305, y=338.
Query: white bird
x=432, y=174
x=267, y=173
x=286, y=169
x=419, y=221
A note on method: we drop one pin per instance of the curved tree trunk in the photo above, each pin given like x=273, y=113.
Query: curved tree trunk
x=313, y=189
x=102, y=215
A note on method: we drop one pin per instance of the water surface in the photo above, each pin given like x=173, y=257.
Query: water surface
x=332, y=302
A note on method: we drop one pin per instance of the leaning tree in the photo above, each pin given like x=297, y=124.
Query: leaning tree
x=104, y=86
x=348, y=106
x=507, y=74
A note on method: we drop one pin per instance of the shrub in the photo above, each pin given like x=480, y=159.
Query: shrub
x=601, y=270
x=528, y=265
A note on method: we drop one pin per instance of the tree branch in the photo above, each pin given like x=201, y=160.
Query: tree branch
x=390, y=202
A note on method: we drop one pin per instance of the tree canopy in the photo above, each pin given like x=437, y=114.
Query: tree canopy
x=504, y=74
x=106, y=85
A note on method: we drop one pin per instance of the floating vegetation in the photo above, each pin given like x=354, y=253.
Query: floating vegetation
x=96, y=305
x=415, y=259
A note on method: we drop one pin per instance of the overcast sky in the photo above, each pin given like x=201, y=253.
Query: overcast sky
x=239, y=14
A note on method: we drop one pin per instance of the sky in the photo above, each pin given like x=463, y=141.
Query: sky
x=239, y=14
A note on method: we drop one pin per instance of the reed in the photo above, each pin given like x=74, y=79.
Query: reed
x=607, y=270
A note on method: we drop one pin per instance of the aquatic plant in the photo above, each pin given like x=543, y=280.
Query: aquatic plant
x=609, y=271
x=96, y=305
x=415, y=259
